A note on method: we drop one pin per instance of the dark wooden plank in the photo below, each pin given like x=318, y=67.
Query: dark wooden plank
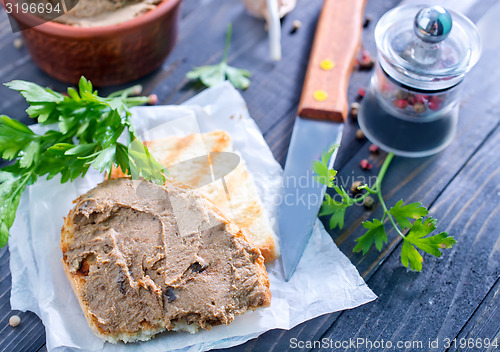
x=279, y=340
x=274, y=115
x=30, y=334
x=482, y=331
x=440, y=300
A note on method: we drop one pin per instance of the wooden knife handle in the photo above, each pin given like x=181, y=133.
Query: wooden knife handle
x=336, y=43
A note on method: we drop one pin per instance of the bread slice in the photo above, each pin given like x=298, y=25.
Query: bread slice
x=143, y=258
x=235, y=194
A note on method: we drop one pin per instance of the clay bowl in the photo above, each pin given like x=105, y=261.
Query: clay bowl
x=105, y=55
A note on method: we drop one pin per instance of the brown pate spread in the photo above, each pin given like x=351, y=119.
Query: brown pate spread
x=96, y=13
x=151, y=256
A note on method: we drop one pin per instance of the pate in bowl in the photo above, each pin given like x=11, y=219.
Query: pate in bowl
x=107, y=41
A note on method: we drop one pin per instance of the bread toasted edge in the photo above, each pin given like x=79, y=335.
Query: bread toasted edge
x=77, y=281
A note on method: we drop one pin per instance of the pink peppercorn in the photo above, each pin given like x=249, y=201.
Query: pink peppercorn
x=419, y=98
x=434, y=106
x=153, y=99
x=366, y=62
x=374, y=149
x=365, y=55
x=365, y=165
x=435, y=103
x=361, y=92
x=400, y=103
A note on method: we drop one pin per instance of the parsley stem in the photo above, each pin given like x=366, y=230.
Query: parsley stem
x=383, y=170
x=22, y=185
x=136, y=101
x=228, y=42
x=134, y=90
x=378, y=187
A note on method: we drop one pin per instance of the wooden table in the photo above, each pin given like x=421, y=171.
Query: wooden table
x=455, y=296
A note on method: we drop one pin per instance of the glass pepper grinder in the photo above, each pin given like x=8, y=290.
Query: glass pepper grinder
x=411, y=107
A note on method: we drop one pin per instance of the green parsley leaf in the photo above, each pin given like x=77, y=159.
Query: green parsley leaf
x=238, y=77
x=142, y=163
x=14, y=137
x=212, y=75
x=30, y=154
x=324, y=174
x=335, y=209
x=400, y=216
x=376, y=233
x=33, y=93
x=104, y=160
x=11, y=188
x=412, y=211
x=42, y=100
x=411, y=257
x=89, y=128
x=431, y=244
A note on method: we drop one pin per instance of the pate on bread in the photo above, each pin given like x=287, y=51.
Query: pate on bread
x=143, y=258
x=236, y=195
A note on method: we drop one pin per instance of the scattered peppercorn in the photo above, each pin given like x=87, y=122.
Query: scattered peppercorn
x=359, y=134
x=366, y=65
x=365, y=165
x=354, y=187
x=354, y=110
x=366, y=62
x=361, y=93
x=14, y=321
x=367, y=21
x=295, y=26
x=153, y=99
x=368, y=202
x=374, y=149
x=18, y=43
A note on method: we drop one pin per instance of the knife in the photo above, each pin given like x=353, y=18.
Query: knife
x=322, y=110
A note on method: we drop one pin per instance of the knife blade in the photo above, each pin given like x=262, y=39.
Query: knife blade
x=322, y=110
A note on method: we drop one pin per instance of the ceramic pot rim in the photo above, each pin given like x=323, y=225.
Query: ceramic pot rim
x=68, y=31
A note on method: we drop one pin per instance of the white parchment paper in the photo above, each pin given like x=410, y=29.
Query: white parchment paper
x=325, y=280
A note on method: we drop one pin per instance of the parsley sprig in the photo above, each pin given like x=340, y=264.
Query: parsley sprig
x=212, y=75
x=84, y=132
x=410, y=221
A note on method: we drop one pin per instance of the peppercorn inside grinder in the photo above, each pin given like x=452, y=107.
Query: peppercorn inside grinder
x=411, y=106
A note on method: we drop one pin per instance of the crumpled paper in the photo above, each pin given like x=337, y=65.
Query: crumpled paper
x=325, y=280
